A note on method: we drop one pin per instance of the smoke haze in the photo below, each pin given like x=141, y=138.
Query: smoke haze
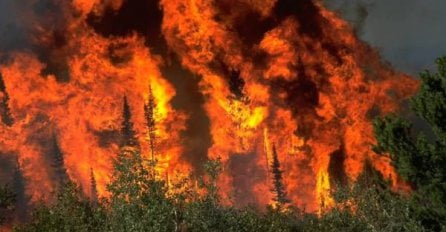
x=410, y=34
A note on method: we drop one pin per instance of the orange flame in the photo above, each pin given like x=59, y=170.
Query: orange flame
x=306, y=84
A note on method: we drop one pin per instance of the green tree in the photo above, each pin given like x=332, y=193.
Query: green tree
x=71, y=211
x=420, y=160
x=208, y=213
x=138, y=201
x=365, y=205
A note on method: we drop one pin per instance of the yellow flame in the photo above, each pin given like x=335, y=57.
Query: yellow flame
x=323, y=191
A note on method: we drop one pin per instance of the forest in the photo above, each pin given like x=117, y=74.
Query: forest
x=140, y=200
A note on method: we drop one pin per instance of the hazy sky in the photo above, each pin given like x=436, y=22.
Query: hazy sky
x=410, y=34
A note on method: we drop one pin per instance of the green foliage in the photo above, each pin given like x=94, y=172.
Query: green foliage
x=430, y=102
x=419, y=160
x=367, y=205
x=70, y=212
x=207, y=213
x=138, y=201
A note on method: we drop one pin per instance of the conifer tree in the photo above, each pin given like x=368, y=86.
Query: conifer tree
x=127, y=131
x=278, y=186
x=6, y=116
x=93, y=188
x=149, y=112
x=58, y=163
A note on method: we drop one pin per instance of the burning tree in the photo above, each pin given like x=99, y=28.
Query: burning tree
x=149, y=112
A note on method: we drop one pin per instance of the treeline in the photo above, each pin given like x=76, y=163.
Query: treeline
x=141, y=201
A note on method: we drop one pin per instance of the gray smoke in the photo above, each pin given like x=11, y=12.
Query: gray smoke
x=12, y=30
x=410, y=34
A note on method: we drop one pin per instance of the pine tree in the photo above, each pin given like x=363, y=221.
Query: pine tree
x=58, y=163
x=278, y=187
x=420, y=160
x=93, y=188
x=6, y=116
x=149, y=112
x=127, y=131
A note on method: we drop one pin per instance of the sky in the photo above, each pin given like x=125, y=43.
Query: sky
x=409, y=34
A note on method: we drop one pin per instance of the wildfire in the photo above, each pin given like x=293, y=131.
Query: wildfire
x=296, y=76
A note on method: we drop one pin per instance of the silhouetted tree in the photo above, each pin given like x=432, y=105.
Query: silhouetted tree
x=127, y=131
x=2, y=84
x=6, y=116
x=93, y=188
x=149, y=112
x=58, y=163
x=278, y=187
